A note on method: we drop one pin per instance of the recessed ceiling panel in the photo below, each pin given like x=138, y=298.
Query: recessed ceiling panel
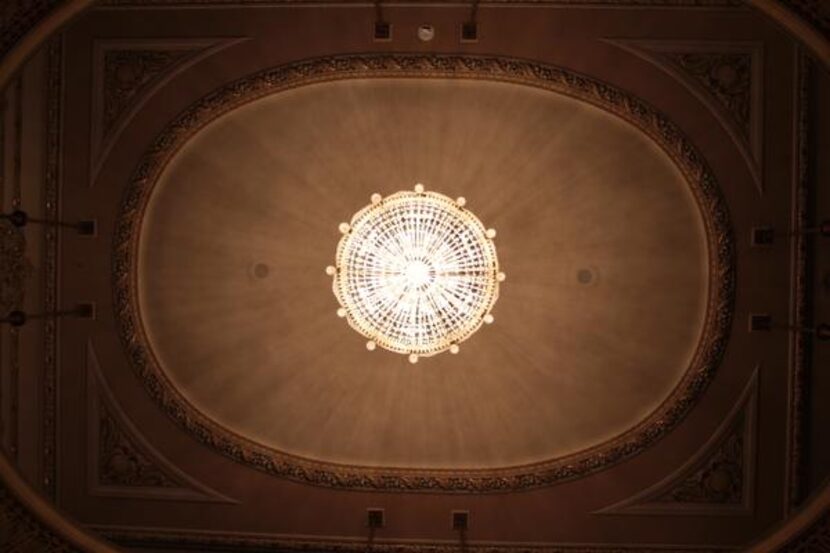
x=600, y=234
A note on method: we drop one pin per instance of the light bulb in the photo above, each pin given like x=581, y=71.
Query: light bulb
x=417, y=274
x=461, y=201
x=501, y=277
x=419, y=188
x=488, y=318
x=454, y=349
x=376, y=198
x=371, y=345
x=341, y=312
x=413, y=358
x=491, y=233
x=331, y=270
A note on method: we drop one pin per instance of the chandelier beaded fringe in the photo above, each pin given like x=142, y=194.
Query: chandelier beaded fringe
x=416, y=273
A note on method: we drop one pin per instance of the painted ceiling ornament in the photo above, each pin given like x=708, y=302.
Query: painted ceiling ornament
x=416, y=273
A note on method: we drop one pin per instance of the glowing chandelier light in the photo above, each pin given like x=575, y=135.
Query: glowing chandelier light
x=416, y=273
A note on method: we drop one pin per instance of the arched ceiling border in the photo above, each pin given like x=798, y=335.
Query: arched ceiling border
x=691, y=489
x=797, y=533
x=810, y=33
x=749, y=142
x=660, y=129
x=33, y=32
x=36, y=522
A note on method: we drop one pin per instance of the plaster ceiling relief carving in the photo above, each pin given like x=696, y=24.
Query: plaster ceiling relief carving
x=127, y=72
x=121, y=463
x=21, y=531
x=269, y=347
x=816, y=538
x=719, y=480
x=727, y=77
x=52, y=179
x=16, y=267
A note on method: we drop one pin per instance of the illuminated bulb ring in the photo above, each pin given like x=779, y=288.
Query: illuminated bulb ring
x=416, y=273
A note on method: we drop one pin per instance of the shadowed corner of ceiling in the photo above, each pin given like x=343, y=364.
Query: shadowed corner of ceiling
x=128, y=72
x=718, y=480
x=122, y=463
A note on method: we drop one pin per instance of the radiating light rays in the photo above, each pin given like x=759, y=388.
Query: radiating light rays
x=416, y=273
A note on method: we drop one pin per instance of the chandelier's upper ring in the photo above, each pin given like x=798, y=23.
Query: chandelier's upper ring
x=416, y=273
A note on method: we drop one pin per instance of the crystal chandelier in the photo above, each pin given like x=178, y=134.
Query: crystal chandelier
x=416, y=273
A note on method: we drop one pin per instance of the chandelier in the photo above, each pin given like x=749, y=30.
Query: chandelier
x=416, y=273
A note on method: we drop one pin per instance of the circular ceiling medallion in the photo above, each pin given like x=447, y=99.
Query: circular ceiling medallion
x=416, y=273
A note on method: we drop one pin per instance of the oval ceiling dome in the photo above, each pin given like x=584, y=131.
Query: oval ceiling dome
x=600, y=233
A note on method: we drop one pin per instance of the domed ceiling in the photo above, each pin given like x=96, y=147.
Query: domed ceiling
x=264, y=354
x=626, y=397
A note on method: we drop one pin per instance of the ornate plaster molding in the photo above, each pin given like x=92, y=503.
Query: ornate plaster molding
x=611, y=3
x=816, y=12
x=553, y=79
x=51, y=193
x=29, y=523
x=800, y=342
x=3, y=109
x=17, y=152
x=127, y=72
x=20, y=531
x=120, y=461
x=727, y=77
x=27, y=30
x=241, y=542
x=16, y=18
x=815, y=539
x=12, y=426
x=718, y=480
x=14, y=267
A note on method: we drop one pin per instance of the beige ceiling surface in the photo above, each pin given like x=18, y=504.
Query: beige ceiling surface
x=570, y=189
